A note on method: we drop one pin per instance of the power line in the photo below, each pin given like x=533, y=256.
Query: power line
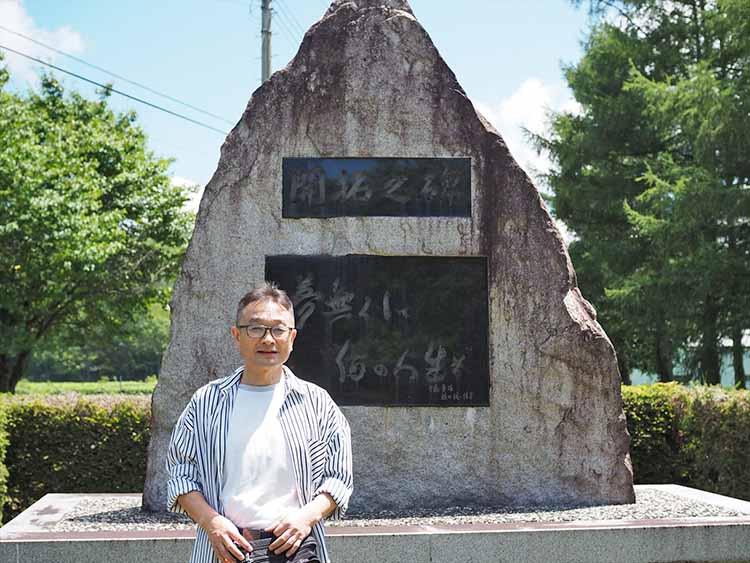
x=289, y=14
x=283, y=18
x=111, y=89
x=104, y=70
x=292, y=34
x=302, y=28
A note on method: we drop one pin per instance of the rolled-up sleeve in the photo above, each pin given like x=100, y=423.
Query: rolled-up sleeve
x=337, y=472
x=182, y=464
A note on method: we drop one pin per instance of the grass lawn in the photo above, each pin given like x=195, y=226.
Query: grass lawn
x=86, y=387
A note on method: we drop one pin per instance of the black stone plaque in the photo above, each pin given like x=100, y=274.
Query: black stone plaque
x=389, y=330
x=404, y=187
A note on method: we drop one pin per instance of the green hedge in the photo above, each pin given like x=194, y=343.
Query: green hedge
x=717, y=451
x=698, y=437
x=654, y=413
x=26, y=387
x=63, y=443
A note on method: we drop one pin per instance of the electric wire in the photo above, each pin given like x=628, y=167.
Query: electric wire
x=116, y=91
x=292, y=35
x=289, y=14
x=287, y=25
x=110, y=73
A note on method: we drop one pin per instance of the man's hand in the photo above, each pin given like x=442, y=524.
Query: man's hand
x=291, y=530
x=222, y=534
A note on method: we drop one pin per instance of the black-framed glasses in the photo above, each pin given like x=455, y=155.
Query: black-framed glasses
x=278, y=332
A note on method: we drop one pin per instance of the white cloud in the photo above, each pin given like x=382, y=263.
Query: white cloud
x=13, y=16
x=195, y=189
x=528, y=108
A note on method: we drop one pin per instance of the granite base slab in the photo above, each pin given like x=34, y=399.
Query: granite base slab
x=44, y=533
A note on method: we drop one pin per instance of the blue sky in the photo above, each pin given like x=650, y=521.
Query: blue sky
x=507, y=55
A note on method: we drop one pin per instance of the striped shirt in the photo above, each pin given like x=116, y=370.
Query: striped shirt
x=316, y=433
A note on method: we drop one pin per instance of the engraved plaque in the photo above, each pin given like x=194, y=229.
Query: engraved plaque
x=389, y=330
x=404, y=187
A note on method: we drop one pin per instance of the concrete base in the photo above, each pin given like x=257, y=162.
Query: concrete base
x=31, y=537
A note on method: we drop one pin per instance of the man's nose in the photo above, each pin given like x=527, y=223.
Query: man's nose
x=267, y=336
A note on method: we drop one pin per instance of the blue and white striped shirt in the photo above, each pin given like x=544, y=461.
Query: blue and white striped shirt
x=316, y=432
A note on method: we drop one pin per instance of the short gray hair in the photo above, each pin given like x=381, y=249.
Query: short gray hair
x=266, y=291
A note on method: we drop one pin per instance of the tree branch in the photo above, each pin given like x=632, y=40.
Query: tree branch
x=624, y=14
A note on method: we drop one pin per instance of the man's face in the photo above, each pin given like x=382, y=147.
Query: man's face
x=266, y=352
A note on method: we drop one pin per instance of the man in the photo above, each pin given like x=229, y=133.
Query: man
x=260, y=456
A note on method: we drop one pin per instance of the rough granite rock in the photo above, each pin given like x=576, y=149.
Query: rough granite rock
x=368, y=81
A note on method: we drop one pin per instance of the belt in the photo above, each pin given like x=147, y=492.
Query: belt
x=251, y=534
x=260, y=554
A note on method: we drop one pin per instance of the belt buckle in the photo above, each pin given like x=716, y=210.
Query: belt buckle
x=250, y=534
x=247, y=556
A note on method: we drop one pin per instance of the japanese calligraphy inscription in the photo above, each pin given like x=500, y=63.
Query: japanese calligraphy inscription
x=405, y=187
x=390, y=330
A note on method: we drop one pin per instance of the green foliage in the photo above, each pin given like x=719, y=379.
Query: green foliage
x=58, y=445
x=67, y=443
x=91, y=229
x=4, y=77
x=655, y=437
x=694, y=436
x=133, y=352
x=3, y=465
x=104, y=387
x=716, y=456
x=652, y=175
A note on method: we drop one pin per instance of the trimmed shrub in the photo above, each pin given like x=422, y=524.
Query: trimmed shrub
x=699, y=437
x=26, y=387
x=653, y=413
x=66, y=444
x=695, y=436
x=716, y=455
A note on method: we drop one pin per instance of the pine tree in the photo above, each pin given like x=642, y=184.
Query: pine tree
x=653, y=175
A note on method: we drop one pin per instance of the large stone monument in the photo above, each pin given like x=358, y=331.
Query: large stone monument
x=435, y=297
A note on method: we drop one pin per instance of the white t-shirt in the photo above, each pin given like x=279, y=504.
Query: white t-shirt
x=259, y=486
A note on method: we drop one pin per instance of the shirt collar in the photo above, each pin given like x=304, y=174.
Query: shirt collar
x=291, y=381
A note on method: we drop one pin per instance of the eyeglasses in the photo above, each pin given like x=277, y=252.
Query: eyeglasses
x=278, y=332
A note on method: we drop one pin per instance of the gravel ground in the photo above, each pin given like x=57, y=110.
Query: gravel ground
x=118, y=513
x=650, y=504
x=122, y=513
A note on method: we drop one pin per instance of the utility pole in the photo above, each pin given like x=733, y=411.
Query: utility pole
x=265, y=33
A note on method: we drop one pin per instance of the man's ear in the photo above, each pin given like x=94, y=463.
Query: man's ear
x=235, y=333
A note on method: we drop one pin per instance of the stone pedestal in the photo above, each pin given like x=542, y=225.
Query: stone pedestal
x=368, y=83
x=34, y=536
